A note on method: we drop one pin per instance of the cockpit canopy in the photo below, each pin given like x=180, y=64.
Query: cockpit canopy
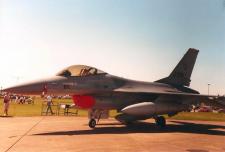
x=79, y=71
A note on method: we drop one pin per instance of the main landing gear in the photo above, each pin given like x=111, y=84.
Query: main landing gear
x=160, y=121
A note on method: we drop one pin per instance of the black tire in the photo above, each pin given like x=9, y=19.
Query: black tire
x=92, y=123
x=160, y=121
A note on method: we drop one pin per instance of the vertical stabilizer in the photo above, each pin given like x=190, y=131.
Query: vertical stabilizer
x=181, y=75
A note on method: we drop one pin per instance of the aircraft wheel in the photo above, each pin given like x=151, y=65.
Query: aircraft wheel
x=160, y=121
x=92, y=123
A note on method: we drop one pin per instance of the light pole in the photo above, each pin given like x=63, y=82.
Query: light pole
x=208, y=88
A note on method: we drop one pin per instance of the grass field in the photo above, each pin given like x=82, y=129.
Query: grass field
x=30, y=109
x=36, y=108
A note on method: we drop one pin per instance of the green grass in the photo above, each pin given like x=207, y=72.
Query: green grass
x=27, y=110
x=205, y=116
x=35, y=109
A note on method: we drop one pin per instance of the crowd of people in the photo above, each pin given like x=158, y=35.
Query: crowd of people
x=22, y=99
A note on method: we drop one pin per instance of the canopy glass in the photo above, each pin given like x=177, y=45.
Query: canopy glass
x=79, y=70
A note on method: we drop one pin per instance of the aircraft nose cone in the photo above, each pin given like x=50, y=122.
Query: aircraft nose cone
x=37, y=87
x=32, y=88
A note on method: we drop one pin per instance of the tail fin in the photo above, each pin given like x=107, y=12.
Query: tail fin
x=181, y=75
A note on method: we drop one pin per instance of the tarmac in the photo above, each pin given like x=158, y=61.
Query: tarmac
x=72, y=134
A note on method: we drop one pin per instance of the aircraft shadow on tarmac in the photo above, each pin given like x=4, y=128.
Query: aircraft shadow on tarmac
x=143, y=127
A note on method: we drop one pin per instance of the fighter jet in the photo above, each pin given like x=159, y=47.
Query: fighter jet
x=99, y=92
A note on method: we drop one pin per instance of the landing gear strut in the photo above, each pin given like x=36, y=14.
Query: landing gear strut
x=160, y=121
x=92, y=123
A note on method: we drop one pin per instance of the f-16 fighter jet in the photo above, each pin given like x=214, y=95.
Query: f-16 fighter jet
x=98, y=92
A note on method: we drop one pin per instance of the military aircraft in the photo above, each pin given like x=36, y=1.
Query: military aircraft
x=99, y=92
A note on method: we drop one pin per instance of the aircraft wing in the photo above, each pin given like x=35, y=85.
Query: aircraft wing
x=151, y=90
x=211, y=100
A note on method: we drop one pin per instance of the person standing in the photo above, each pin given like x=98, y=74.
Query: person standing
x=6, y=104
x=49, y=104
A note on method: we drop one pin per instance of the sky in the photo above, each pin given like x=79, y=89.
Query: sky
x=140, y=40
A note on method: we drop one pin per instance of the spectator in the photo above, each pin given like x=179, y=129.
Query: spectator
x=49, y=105
x=16, y=99
x=21, y=100
x=6, y=104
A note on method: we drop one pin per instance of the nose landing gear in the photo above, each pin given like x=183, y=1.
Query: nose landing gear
x=92, y=123
x=95, y=115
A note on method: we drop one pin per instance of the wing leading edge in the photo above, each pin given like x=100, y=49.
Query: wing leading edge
x=150, y=91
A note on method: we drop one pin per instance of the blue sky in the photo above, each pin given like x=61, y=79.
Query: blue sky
x=141, y=40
